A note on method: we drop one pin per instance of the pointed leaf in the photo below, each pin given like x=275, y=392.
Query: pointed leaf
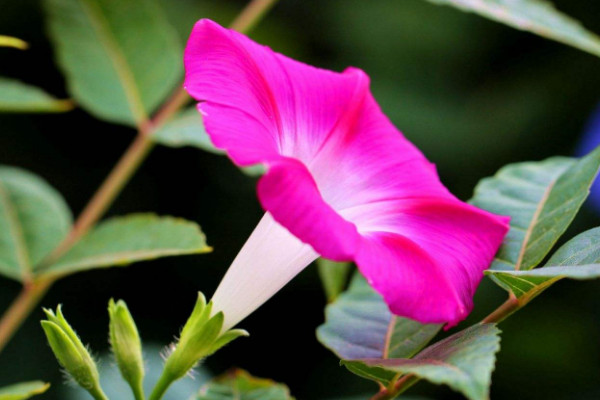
x=33, y=220
x=542, y=198
x=22, y=391
x=121, y=58
x=121, y=241
x=19, y=97
x=239, y=385
x=579, y=258
x=334, y=276
x=463, y=361
x=360, y=325
x=536, y=16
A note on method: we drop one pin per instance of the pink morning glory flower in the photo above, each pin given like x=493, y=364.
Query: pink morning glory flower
x=341, y=182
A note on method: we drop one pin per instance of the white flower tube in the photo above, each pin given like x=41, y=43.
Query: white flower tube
x=269, y=259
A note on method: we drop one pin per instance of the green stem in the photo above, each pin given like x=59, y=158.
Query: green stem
x=98, y=394
x=138, y=392
x=506, y=309
x=161, y=386
x=251, y=15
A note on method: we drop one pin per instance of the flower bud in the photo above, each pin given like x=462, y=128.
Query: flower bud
x=201, y=336
x=126, y=345
x=71, y=353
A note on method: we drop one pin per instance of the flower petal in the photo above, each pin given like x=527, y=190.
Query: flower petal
x=429, y=256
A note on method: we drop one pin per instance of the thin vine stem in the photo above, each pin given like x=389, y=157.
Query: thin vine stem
x=132, y=159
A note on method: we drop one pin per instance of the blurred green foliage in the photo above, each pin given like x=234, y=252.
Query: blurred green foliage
x=472, y=94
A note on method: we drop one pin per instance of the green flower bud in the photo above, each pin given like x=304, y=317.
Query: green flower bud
x=127, y=347
x=201, y=336
x=71, y=354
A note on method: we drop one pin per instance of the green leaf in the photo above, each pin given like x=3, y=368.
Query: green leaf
x=121, y=241
x=121, y=58
x=9, y=41
x=536, y=16
x=34, y=219
x=463, y=361
x=187, y=129
x=360, y=325
x=542, y=198
x=334, y=276
x=239, y=385
x=16, y=96
x=579, y=258
x=22, y=391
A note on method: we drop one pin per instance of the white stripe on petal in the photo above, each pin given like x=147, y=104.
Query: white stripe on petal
x=270, y=258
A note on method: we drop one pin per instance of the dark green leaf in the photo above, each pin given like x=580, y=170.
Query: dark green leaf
x=121, y=58
x=334, y=276
x=239, y=385
x=542, y=198
x=22, y=391
x=360, y=325
x=123, y=240
x=16, y=97
x=33, y=220
x=463, y=361
x=579, y=258
x=536, y=16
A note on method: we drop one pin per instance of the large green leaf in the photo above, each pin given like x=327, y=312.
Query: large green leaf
x=187, y=129
x=360, y=325
x=121, y=241
x=33, y=220
x=542, y=198
x=334, y=276
x=239, y=385
x=16, y=96
x=121, y=58
x=463, y=361
x=579, y=258
x=22, y=391
x=536, y=16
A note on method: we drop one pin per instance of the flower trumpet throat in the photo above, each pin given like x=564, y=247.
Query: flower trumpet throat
x=341, y=182
x=71, y=354
x=202, y=335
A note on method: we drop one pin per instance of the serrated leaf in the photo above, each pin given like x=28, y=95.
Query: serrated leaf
x=121, y=58
x=121, y=241
x=34, y=219
x=536, y=16
x=17, y=96
x=542, y=198
x=239, y=385
x=9, y=41
x=22, y=391
x=359, y=325
x=463, y=361
x=579, y=258
x=334, y=276
x=187, y=129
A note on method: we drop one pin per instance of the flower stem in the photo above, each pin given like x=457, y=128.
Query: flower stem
x=21, y=307
x=511, y=305
x=161, y=386
x=251, y=15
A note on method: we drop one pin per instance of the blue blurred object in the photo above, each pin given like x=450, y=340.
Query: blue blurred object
x=590, y=139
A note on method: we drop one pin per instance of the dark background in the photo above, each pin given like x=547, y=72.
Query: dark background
x=472, y=94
